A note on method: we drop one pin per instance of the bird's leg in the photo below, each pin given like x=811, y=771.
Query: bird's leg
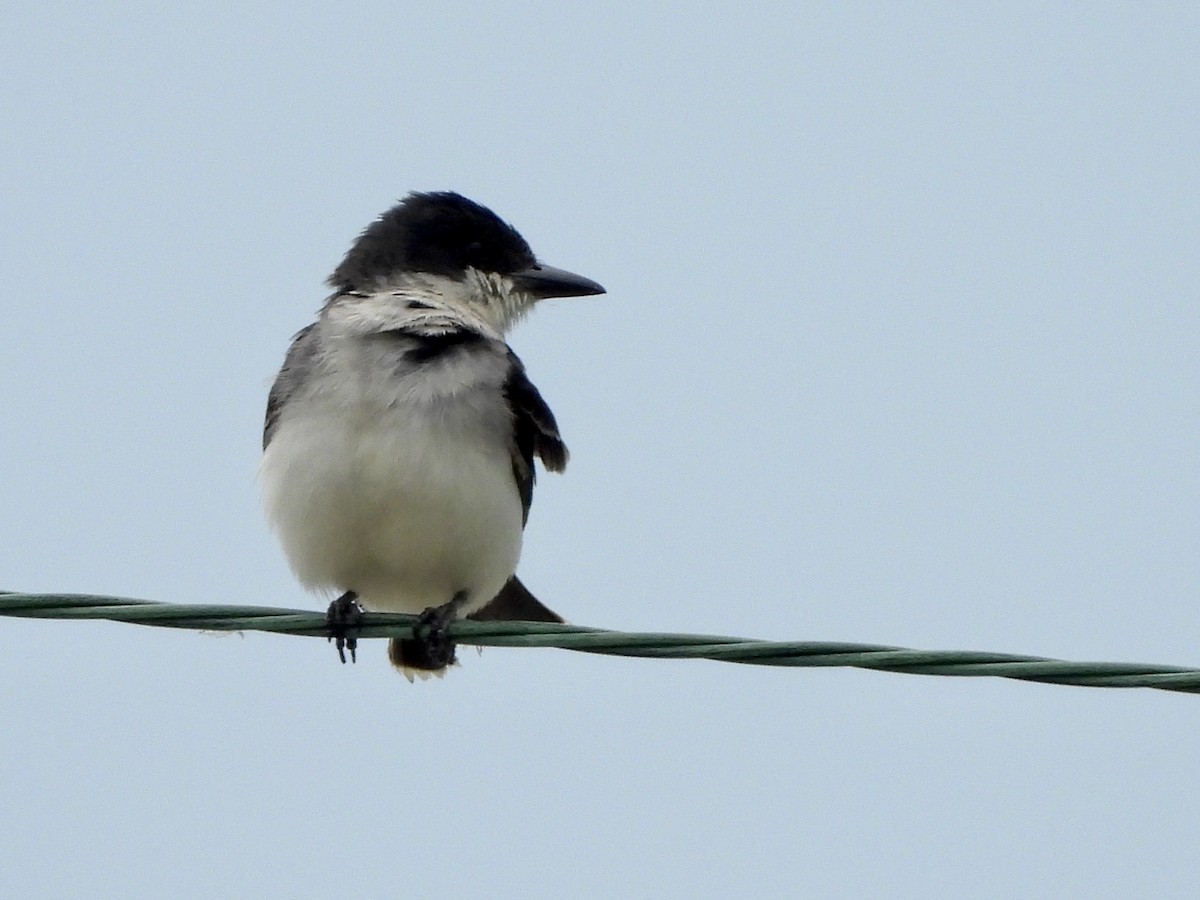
x=430, y=646
x=343, y=618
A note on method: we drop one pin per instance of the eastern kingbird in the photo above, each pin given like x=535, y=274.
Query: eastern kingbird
x=401, y=430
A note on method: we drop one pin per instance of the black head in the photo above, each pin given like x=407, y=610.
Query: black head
x=440, y=233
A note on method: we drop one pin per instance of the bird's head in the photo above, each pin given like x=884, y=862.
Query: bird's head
x=459, y=248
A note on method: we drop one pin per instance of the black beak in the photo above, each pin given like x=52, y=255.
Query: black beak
x=543, y=282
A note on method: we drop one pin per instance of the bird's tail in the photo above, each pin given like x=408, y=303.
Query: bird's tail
x=514, y=603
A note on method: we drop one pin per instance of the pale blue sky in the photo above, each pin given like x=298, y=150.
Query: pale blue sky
x=901, y=345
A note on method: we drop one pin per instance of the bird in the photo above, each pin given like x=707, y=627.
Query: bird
x=402, y=430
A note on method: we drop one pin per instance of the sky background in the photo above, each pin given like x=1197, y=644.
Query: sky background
x=901, y=345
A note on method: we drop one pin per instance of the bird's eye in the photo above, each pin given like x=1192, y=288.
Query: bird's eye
x=474, y=247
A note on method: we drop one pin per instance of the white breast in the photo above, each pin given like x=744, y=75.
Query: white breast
x=406, y=502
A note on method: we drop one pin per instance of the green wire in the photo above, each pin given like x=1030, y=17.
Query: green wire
x=615, y=643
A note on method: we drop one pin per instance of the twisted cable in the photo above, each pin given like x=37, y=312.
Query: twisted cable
x=211, y=617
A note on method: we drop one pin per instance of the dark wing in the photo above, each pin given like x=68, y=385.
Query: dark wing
x=514, y=603
x=290, y=377
x=535, y=433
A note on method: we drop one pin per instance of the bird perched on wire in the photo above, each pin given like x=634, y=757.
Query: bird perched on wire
x=401, y=431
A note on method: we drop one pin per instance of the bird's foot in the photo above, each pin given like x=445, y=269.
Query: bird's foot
x=430, y=648
x=343, y=618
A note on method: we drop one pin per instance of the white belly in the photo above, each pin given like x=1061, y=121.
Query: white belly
x=406, y=510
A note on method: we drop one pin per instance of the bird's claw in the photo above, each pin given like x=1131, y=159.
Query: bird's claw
x=431, y=646
x=343, y=619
